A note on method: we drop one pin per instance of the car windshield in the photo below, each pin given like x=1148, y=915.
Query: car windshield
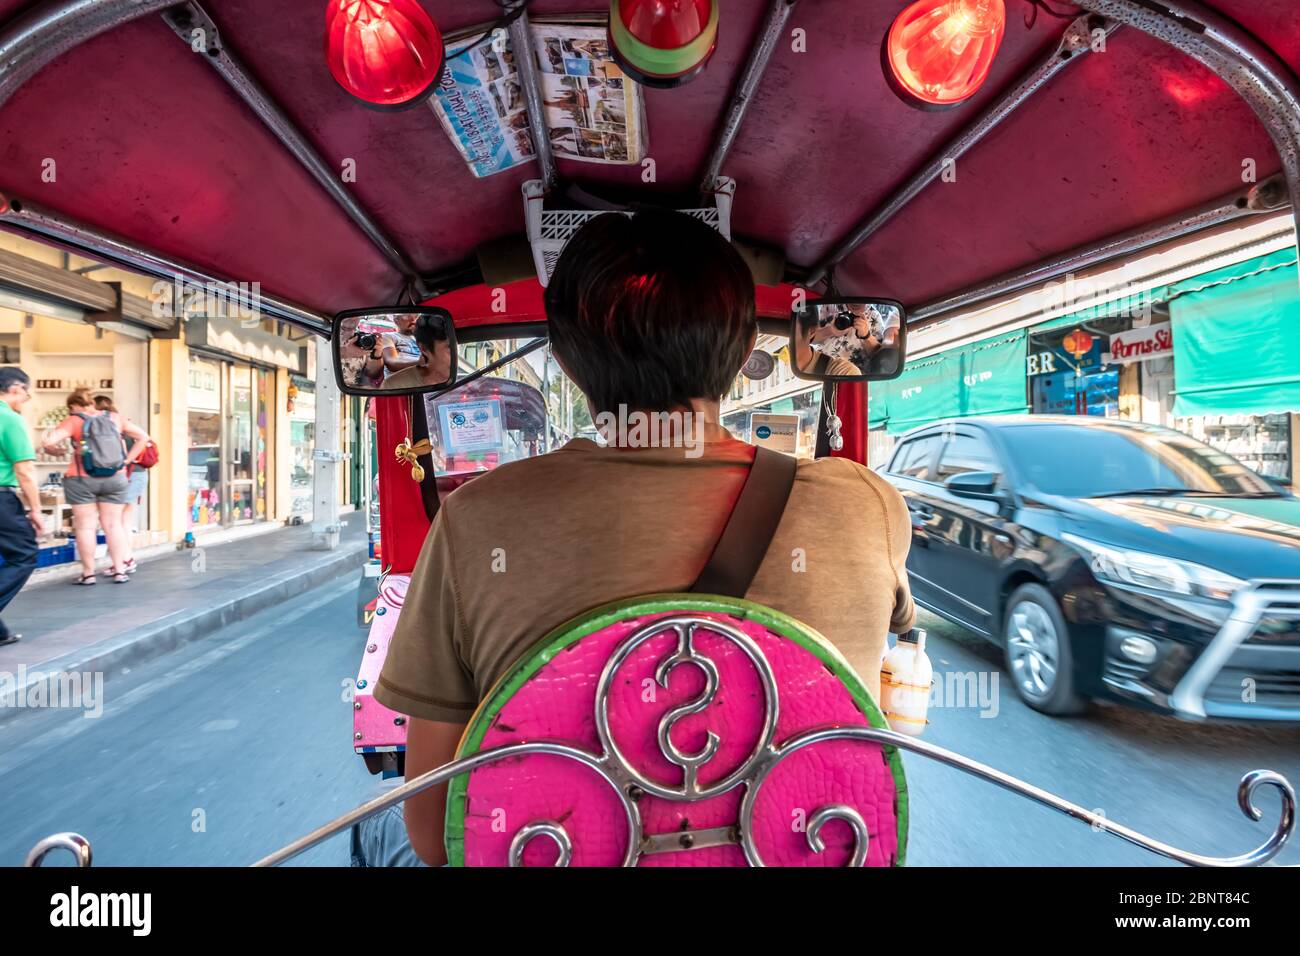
x=1088, y=461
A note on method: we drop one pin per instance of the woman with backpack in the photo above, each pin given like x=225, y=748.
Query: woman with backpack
x=137, y=481
x=95, y=483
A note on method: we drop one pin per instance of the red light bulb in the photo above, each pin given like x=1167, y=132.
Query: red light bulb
x=939, y=52
x=386, y=53
x=663, y=43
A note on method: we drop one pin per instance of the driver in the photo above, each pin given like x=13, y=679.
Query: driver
x=433, y=368
x=648, y=313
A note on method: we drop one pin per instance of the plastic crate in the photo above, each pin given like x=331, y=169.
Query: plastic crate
x=549, y=229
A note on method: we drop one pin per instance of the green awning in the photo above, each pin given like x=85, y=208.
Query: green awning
x=1234, y=331
x=983, y=378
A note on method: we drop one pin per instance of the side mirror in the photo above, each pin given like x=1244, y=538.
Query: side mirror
x=981, y=485
x=392, y=351
x=848, y=339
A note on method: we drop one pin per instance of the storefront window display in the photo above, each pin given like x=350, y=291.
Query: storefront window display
x=302, y=442
x=806, y=405
x=1068, y=373
x=229, y=432
x=204, y=464
x=1260, y=442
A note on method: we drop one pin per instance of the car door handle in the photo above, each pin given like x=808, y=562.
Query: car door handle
x=920, y=511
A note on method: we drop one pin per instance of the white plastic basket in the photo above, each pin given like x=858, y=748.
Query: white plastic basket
x=550, y=229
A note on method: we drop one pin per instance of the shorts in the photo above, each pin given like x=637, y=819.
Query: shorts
x=136, y=486
x=80, y=490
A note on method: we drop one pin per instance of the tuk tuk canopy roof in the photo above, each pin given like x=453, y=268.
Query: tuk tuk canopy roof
x=150, y=143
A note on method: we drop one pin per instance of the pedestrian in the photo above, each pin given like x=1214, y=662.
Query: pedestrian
x=137, y=483
x=20, y=503
x=100, y=496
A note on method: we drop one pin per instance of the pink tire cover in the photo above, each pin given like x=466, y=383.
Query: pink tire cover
x=551, y=696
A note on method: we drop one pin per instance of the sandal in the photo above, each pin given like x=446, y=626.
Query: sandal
x=128, y=567
x=85, y=580
x=10, y=639
x=121, y=577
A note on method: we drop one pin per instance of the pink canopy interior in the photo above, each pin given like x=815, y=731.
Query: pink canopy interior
x=152, y=144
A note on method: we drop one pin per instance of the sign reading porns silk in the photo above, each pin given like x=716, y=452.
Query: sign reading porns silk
x=1138, y=345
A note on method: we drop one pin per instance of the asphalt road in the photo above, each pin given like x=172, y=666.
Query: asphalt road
x=227, y=749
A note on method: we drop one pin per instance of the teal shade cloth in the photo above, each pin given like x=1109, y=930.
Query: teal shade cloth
x=986, y=377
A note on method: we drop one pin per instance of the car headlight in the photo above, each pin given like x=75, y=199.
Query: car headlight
x=1154, y=572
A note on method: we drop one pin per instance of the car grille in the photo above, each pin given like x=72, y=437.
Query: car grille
x=1276, y=689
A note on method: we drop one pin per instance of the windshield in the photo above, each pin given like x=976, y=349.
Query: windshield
x=1082, y=462
x=518, y=411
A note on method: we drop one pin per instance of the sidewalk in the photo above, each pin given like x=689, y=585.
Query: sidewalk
x=174, y=598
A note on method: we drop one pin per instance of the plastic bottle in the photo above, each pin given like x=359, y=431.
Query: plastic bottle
x=905, y=678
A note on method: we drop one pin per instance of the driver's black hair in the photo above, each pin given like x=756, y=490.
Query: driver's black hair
x=650, y=311
x=431, y=329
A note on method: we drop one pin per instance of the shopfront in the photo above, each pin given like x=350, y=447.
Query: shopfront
x=774, y=391
x=230, y=422
x=1209, y=356
x=302, y=444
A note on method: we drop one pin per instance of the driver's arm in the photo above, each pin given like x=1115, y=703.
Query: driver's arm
x=429, y=744
x=393, y=359
x=425, y=677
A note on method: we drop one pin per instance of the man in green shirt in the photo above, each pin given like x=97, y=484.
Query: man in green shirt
x=20, y=503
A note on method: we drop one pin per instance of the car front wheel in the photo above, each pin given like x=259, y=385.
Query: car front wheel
x=1039, y=658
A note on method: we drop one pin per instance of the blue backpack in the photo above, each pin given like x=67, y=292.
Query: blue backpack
x=101, y=450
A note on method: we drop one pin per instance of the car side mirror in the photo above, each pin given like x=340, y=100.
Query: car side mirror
x=980, y=485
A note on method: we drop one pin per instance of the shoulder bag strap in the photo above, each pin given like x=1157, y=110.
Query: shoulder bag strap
x=750, y=529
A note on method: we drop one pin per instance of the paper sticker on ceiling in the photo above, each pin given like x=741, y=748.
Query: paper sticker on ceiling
x=593, y=112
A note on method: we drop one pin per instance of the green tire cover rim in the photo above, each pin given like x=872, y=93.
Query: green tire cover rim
x=601, y=617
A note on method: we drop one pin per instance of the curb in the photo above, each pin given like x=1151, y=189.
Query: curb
x=179, y=628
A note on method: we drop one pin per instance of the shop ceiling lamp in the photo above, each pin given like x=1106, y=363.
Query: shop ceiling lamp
x=663, y=43
x=939, y=52
x=386, y=53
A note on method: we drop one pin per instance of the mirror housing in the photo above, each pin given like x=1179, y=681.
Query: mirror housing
x=980, y=485
x=394, y=350
x=848, y=339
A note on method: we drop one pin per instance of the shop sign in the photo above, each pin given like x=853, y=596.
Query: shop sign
x=1138, y=345
x=1040, y=363
x=777, y=432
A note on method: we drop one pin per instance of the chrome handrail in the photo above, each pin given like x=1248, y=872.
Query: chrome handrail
x=1250, y=783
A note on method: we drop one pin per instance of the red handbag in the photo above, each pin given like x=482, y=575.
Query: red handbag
x=147, y=458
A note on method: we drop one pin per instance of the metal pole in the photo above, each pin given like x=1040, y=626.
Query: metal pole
x=327, y=455
x=195, y=28
x=19, y=215
x=1076, y=40
x=1268, y=196
x=521, y=40
x=36, y=37
x=1241, y=60
x=777, y=16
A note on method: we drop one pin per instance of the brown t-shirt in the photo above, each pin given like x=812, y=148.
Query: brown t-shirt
x=524, y=548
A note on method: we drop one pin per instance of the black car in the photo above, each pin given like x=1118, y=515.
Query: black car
x=1111, y=560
